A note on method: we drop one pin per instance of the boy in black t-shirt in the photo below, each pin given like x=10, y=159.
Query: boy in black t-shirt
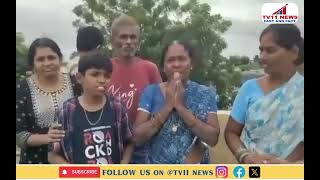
x=96, y=125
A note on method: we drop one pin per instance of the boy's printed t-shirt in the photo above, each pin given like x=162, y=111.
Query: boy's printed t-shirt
x=95, y=144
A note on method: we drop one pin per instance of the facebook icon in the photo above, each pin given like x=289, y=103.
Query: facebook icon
x=239, y=172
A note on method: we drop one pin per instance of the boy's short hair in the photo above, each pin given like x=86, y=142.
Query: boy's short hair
x=96, y=61
x=89, y=38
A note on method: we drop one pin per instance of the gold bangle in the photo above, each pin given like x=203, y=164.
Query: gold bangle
x=240, y=150
x=243, y=155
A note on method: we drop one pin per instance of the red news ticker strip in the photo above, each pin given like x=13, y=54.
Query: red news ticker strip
x=79, y=172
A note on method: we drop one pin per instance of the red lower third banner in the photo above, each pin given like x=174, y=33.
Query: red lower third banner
x=79, y=172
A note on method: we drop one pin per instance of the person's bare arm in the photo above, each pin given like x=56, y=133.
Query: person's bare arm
x=55, y=155
x=127, y=154
x=144, y=127
x=53, y=135
x=232, y=136
x=298, y=154
x=207, y=131
x=295, y=157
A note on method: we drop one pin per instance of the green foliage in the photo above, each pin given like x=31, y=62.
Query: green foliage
x=256, y=59
x=163, y=21
x=239, y=60
x=21, y=56
x=247, y=67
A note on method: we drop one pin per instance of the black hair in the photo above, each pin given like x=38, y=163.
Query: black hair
x=41, y=43
x=287, y=36
x=89, y=38
x=94, y=60
x=193, y=53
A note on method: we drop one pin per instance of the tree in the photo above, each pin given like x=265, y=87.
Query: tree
x=256, y=59
x=73, y=55
x=239, y=60
x=21, y=56
x=163, y=21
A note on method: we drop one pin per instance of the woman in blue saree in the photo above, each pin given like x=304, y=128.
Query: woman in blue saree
x=176, y=119
x=266, y=124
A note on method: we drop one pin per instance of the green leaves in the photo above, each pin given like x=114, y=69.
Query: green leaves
x=21, y=55
x=78, y=10
x=163, y=21
x=147, y=4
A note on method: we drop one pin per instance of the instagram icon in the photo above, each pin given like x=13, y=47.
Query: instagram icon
x=221, y=171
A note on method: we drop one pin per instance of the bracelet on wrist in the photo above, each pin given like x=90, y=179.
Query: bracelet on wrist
x=241, y=153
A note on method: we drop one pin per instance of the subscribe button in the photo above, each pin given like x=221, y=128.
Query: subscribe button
x=82, y=171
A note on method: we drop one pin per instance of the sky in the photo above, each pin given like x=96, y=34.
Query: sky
x=53, y=19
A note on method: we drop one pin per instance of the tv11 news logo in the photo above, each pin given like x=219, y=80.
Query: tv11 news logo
x=279, y=13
